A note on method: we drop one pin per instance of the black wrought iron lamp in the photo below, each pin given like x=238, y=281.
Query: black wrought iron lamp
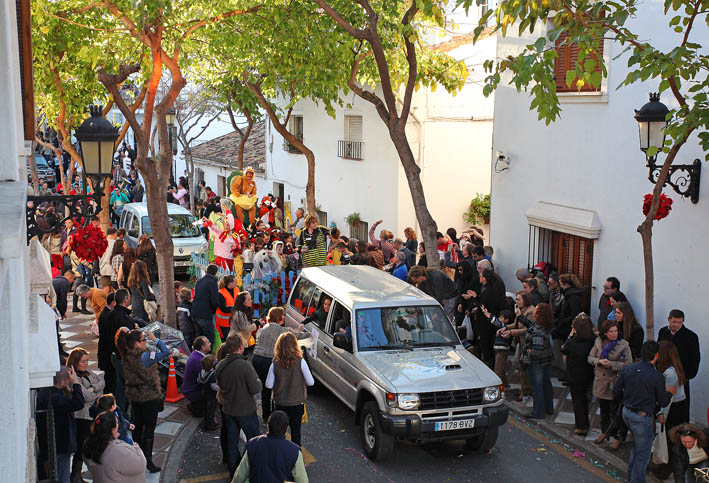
x=97, y=138
x=652, y=121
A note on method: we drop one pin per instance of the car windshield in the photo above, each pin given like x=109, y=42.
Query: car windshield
x=403, y=328
x=180, y=226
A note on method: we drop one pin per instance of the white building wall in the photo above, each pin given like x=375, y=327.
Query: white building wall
x=590, y=159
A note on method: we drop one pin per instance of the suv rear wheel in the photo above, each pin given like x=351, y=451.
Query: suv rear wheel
x=377, y=444
x=485, y=441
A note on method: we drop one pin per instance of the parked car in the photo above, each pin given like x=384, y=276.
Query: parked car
x=44, y=170
x=400, y=365
x=186, y=237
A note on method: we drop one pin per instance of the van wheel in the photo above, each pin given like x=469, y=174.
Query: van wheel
x=377, y=444
x=485, y=441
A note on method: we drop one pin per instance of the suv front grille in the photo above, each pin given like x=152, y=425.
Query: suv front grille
x=451, y=399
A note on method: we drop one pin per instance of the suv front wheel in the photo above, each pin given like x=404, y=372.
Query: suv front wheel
x=485, y=441
x=376, y=443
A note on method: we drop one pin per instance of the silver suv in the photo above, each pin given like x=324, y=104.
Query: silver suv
x=388, y=351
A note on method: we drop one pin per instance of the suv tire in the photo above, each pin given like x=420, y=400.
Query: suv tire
x=377, y=444
x=485, y=441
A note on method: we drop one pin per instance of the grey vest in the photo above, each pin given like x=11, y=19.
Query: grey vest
x=289, y=387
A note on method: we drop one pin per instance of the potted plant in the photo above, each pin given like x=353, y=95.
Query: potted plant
x=353, y=219
x=479, y=210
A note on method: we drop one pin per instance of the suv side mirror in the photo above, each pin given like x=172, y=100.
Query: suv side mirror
x=341, y=341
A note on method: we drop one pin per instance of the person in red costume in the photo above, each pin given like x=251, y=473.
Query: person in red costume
x=227, y=230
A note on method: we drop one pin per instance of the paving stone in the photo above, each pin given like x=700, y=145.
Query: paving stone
x=168, y=427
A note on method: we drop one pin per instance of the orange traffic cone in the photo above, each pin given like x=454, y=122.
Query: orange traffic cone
x=172, y=394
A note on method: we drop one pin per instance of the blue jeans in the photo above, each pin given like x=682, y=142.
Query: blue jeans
x=205, y=327
x=542, y=392
x=234, y=424
x=643, y=437
x=63, y=467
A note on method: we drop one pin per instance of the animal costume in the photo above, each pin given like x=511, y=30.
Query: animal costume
x=243, y=194
x=265, y=212
x=227, y=244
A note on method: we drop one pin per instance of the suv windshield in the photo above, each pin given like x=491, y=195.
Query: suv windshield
x=180, y=226
x=403, y=328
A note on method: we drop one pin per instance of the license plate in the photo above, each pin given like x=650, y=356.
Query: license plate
x=186, y=263
x=453, y=425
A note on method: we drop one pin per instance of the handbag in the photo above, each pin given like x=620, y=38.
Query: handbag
x=150, y=306
x=660, y=454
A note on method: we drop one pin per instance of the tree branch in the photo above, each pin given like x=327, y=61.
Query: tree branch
x=354, y=32
x=364, y=94
x=196, y=24
x=690, y=24
x=231, y=116
x=413, y=66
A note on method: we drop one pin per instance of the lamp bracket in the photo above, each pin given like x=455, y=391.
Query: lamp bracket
x=683, y=178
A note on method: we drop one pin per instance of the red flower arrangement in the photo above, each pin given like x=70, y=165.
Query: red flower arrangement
x=662, y=210
x=89, y=243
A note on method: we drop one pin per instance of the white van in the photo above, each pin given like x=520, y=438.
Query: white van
x=399, y=364
x=186, y=237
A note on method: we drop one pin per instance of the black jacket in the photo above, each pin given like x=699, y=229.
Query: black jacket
x=206, y=299
x=106, y=338
x=637, y=335
x=570, y=308
x=439, y=286
x=468, y=280
x=687, y=344
x=61, y=289
x=578, y=370
x=64, y=423
x=679, y=459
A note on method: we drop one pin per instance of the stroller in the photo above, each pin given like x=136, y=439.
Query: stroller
x=175, y=341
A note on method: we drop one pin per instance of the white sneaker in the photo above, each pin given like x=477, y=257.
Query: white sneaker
x=527, y=401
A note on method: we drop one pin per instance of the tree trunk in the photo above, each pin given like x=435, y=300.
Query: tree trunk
x=646, y=235
x=33, y=173
x=412, y=171
x=310, y=186
x=104, y=215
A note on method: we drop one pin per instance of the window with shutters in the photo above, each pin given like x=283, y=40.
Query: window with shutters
x=24, y=41
x=351, y=146
x=295, y=127
x=566, y=59
x=360, y=232
x=567, y=254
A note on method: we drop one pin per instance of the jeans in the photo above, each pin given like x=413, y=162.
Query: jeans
x=234, y=425
x=63, y=467
x=205, y=327
x=295, y=417
x=542, y=392
x=262, y=365
x=643, y=437
x=501, y=365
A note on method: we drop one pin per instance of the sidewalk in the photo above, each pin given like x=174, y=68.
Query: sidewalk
x=558, y=429
x=172, y=422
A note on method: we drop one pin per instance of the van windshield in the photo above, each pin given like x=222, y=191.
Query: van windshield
x=403, y=328
x=180, y=226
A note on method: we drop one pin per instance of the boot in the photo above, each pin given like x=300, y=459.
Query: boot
x=76, y=465
x=75, y=307
x=83, y=307
x=148, y=452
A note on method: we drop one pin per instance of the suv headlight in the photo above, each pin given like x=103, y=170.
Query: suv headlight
x=491, y=394
x=408, y=402
x=204, y=246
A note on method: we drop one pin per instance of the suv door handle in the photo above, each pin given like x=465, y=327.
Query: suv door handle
x=326, y=348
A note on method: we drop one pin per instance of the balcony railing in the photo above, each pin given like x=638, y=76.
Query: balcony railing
x=288, y=147
x=350, y=149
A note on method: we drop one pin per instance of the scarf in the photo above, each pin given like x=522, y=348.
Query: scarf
x=608, y=349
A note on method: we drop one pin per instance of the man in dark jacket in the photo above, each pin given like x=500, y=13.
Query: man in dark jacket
x=238, y=384
x=106, y=343
x=610, y=287
x=205, y=303
x=410, y=256
x=62, y=285
x=687, y=344
x=438, y=285
x=63, y=406
x=272, y=457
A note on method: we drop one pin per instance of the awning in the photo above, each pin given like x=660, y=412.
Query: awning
x=565, y=219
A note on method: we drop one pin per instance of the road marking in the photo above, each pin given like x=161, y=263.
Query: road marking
x=560, y=449
x=199, y=479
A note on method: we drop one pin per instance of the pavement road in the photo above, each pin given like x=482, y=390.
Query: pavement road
x=332, y=452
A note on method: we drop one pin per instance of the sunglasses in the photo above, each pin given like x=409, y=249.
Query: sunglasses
x=686, y=432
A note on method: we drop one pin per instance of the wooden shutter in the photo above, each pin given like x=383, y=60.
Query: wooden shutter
x=24, y=42
x=574, y=254
x=353, y=128
x=566, y=59
x=296, y=127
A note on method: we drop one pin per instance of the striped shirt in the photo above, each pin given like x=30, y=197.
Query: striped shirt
x=116, y=263
x=316, y=254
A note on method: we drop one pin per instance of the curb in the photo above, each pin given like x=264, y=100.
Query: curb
x=599, y=454
x=172, y=463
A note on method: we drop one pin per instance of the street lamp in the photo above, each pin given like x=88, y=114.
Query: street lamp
x=97, y=138
x=652, y=122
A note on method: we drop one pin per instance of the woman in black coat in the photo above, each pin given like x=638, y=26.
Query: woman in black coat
x=466, y=278
x=493, y=297
x=688, y=442
x=579, y=373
